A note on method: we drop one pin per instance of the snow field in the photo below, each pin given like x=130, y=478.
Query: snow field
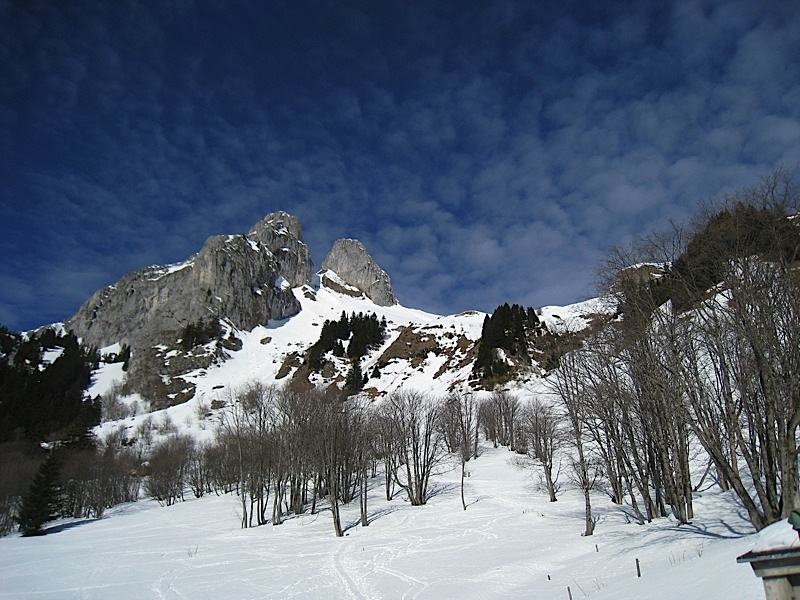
x=505, y=545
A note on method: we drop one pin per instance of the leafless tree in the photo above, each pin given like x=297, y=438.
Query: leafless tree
x=507, y=407
x=247, y=432
x=543, y=430
x=568, y=385
x=411, y=420
x=198, y=472
x=459, y=415
x=166, y=476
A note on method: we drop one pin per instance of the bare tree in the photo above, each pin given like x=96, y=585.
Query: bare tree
x=460, y=417
x=247, y=429
x=198, y=475
x=542, y=427
x=411, y=420
x=567, y=382
x=168, y=461
x=506, y=407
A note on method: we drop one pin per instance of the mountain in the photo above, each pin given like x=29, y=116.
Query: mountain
x=244, y=279
x=253, y=300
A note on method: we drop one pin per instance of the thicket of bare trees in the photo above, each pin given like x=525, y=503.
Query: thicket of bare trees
x=85, y=480
x=706, y=355
x=285, y=451
x=95, y=480
x=498, y=415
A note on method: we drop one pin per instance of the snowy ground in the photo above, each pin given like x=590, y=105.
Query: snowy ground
x=510, y=543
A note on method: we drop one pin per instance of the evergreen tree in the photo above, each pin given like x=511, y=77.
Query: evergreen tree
x=42, y=502
x=511, y=329
x=41, y=399
x=363, y=333
x=125, y=356
x=355, y=380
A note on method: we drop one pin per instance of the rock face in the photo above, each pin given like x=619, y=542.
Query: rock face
x=245, y=278
x=355, y=267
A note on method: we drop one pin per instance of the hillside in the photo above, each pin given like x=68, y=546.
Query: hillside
x=421, y=351
x=509, y=542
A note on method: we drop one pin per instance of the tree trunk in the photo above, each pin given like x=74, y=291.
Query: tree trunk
x=333, y=494
x=364, y=520
x=463, y=468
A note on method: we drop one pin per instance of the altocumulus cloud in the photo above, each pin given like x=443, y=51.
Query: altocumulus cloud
x=483, y=152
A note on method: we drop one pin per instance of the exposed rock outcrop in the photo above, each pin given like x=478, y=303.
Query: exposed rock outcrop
x=356, y=268
x=245, y=279
x=281, y=234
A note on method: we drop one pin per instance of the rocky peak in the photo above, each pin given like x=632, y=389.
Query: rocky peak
x=350, y=260
x=281, y=234
x=244, y=279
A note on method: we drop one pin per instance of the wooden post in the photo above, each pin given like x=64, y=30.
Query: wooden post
x=638, y=570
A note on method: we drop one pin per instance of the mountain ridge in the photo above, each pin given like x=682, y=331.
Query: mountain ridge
x=241, y=280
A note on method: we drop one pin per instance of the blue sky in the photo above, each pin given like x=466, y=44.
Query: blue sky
x=483, y=152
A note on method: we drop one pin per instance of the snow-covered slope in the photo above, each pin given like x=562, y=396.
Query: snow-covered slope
x=265, y=349
x=421, y=351
x=510, y=543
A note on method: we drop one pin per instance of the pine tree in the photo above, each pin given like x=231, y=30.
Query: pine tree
x=42, y=502
x=355, y=380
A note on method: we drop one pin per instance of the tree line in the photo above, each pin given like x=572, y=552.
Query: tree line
x=285, y=452
x=281, y=451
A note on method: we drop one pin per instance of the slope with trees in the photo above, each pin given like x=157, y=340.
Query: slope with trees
x=705, y=355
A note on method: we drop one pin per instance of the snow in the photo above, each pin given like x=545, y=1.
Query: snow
x=160, y=272
x=115, y=348
x=50, y=356
x=104, y=378
x=510, y=543
x=778, y=536
x=573, y=316
x=262, y=361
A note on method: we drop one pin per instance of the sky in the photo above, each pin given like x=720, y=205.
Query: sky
x=483, y=152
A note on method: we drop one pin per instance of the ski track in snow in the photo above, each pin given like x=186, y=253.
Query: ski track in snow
x=353, y=590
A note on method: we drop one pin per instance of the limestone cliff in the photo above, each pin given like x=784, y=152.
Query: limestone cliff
x=246, y=279
x=356, y=268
